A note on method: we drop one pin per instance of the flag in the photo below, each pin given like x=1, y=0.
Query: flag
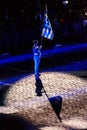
x=47, y=31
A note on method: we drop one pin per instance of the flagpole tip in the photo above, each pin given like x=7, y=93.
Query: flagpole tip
x=46, y=6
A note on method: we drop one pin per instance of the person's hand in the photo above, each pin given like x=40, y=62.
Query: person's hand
x=40, y=46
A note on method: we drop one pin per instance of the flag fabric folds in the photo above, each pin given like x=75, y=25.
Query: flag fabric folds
x=47, y=31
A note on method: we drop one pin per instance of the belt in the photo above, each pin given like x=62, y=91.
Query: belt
x=36, y=54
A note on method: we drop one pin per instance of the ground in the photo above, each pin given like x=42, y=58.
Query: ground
x=21, y=100
x=64, y=80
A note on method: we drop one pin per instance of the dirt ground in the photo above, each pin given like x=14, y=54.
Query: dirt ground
x=21, y=100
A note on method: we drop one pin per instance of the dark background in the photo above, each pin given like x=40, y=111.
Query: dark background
x=21, y=23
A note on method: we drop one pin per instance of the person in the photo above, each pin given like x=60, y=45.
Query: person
x=37, y=57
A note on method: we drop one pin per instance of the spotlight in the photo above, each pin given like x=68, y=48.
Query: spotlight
x=65, y=2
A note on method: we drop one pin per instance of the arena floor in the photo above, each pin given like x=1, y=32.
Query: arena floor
x=64, y=78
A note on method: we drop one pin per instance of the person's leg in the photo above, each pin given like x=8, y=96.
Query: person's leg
x=39, y=58
x=36, y=64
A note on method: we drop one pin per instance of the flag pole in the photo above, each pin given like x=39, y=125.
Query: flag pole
x=41, y=40
x=46, y=7
x=42, y=28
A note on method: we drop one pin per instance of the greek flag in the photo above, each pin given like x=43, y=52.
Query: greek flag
x=47, y=31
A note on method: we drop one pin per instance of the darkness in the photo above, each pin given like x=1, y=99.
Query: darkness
x=21, y=23
x=13, y=122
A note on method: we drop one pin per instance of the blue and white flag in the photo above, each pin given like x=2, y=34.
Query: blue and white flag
x=47, y=31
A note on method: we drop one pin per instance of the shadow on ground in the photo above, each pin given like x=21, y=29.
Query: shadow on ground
x=13, y=122
x=3, y=91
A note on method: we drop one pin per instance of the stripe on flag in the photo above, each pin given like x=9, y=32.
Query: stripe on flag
x=47, y=31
